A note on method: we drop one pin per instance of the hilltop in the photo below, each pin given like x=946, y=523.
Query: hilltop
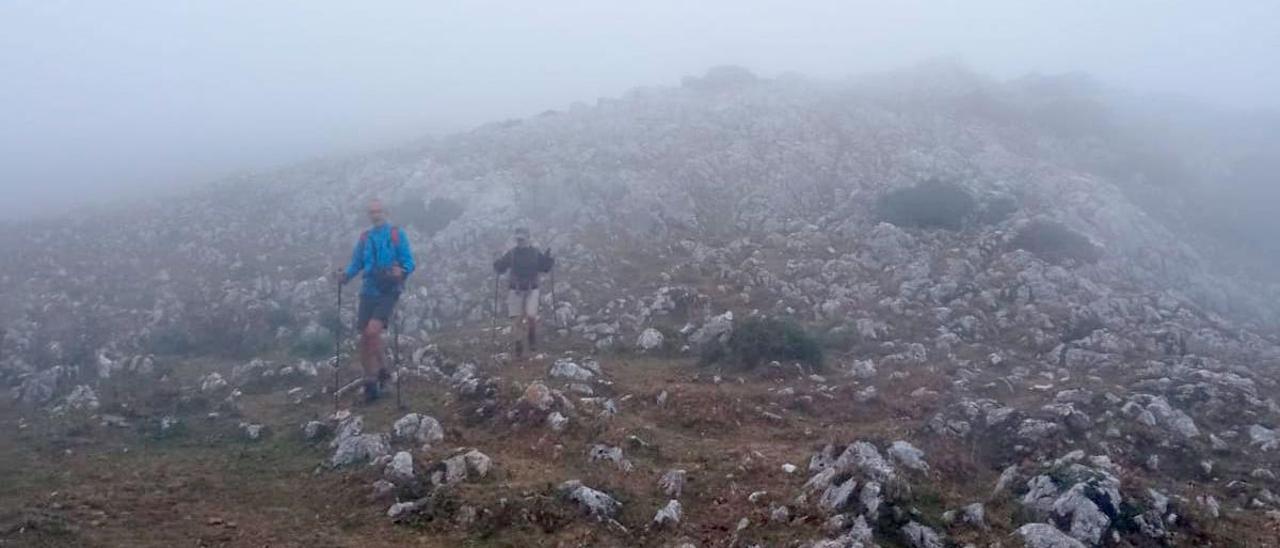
x=1030, y=331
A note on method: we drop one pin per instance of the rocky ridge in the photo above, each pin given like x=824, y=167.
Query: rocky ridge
x=1122, y=399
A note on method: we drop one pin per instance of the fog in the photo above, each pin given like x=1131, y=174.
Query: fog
x=107, y=100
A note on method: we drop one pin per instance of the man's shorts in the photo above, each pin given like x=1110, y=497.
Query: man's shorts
x=376, y=308
x=522, y=302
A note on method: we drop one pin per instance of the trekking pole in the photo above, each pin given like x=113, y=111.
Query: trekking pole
x=337, y=351
x=553, y=298
x=396, y=319
x=493, y=318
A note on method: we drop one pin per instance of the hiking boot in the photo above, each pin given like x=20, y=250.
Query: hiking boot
x=371, y=392
x=533, y=339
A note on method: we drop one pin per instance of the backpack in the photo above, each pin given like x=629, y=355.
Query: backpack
x=381, y=277
x=395, y=236
x=526, y=262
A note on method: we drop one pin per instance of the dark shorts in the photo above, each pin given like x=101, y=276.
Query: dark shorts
x=375, y=308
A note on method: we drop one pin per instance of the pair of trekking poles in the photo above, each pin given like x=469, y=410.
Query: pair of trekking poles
x=493, y=318
x=337, y=353
x=395, y=338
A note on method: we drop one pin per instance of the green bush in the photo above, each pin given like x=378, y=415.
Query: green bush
x=930, y=204
x=758, y=339
x=1056, y=243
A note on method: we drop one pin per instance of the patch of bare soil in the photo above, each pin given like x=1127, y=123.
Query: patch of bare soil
x=75, y=482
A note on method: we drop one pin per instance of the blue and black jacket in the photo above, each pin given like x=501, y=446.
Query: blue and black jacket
x=380, y=247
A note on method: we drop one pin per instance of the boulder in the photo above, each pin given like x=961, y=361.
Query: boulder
x=469, y=464
x=921, y=536
x=420, y=429
x=908, y=456
x=566, y=369
x=672, y=482
x=359, y=448
x=668, y=515
x=716, y=329
x=400, y=469
x=82, y=398
x=650, y=339
x=1043, y=535
x=601, y=452
x=593, y=503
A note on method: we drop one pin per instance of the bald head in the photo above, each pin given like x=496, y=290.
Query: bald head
x=377, y=214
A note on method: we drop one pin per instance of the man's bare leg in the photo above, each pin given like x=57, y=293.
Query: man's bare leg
x=371, y=350
x=533, y=333
x=518, y=334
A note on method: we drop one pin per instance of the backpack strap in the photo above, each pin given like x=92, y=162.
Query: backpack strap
x=395, y=242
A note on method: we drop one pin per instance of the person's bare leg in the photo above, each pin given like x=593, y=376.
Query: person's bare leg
x=517, y=334
x=365, y=358
x=533, y=332
x=371, y=357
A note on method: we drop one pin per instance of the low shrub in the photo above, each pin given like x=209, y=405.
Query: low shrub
x=756, y=340
x=1056, y=243
x=313, y=345
x=278, y=317
x=721, y=78
x=170, y=341
x=996, y=210
x=428, y=218
x=930, y=204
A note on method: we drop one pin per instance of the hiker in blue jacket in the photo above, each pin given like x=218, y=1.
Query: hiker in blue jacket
x=382, y=255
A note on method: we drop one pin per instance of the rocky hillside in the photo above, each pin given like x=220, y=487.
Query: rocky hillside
x=980, y=248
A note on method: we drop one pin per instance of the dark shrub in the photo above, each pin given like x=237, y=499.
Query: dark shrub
x=429, y=218
x=278, y=317
x=172, y=341
x=721, y=78
x=1056, y=243
x=930, y=204
x=757, y=339
x=313, y=345
x=996, y=210
x=330, y=320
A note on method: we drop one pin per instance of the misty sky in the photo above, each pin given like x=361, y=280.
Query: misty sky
x=101, y=99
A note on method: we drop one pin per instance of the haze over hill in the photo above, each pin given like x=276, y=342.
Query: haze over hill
x=111, y=101
x=1031, y=330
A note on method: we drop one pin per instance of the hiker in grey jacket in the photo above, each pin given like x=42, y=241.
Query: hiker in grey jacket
x=525, y=264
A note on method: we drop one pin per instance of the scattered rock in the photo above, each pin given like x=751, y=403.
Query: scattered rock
x=593, y=503
x=314, y=430
x=668, y=515
x=420, y=429
x=672, y=483
x=836, y=497
x=1043, y=535
x=650, y=339
x=599, y=452
x=566, y=369
x=907, y=455
x=557, y=422
x=212, y=382
x=82, y=398
x=460, y=467
x=252, y=431
x=353, y=447
x=920, y=536
x=400, y=469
